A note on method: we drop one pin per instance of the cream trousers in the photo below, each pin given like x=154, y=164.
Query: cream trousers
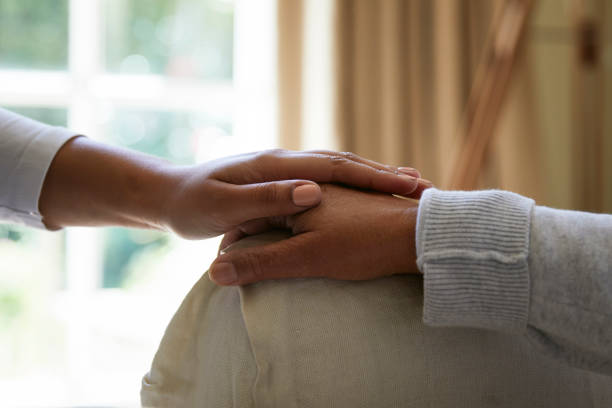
x=325, y=343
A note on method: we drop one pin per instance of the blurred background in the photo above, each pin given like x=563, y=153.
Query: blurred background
x=511, y=94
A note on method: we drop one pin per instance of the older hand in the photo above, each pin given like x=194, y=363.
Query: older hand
x=351, y=235
x=218, y=196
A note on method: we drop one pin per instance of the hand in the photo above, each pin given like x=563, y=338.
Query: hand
x=91, y=183
x=351, y=235
x=218, y=196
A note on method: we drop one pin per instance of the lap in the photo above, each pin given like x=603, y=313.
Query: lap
x=320, y=342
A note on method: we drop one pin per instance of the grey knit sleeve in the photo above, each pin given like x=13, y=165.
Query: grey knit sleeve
x=494, y=260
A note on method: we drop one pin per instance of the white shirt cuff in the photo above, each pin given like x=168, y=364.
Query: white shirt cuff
x=27, y=148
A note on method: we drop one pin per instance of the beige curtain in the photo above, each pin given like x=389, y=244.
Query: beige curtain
x=403, y=71
x=290, y=30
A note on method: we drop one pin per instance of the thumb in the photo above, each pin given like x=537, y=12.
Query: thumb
x=276, y=198
x=294, y=257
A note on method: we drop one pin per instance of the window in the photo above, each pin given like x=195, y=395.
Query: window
x=82, y=311
x=46, y=44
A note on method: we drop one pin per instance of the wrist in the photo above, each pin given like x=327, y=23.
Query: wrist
x=184, y=203
x=408, y=231
x=151, y=188
x=400, y=233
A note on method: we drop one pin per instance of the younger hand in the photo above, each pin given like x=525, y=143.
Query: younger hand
x=218, y=196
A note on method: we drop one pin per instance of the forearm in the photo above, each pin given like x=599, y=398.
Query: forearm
x=90, y=183
x=570, y=267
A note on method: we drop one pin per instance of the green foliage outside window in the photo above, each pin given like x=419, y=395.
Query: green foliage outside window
x=50, y=116
x=191, y=38
x=34, y=34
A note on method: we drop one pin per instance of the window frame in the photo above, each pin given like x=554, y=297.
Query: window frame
x=85, y=88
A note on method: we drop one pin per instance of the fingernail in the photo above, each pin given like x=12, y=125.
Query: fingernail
x=425, y=182
x=306, y=195
x=224, y=273
x=412, y=180
x=409, y=171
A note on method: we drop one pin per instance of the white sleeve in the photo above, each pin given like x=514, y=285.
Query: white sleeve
x=27, y=148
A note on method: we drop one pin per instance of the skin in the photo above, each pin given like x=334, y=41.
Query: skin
x=91, y=184
x=351, y=235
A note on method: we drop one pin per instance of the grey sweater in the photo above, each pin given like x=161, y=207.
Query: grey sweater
x=494, y=260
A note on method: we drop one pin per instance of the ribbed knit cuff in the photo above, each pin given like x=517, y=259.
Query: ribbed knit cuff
x=472, y=248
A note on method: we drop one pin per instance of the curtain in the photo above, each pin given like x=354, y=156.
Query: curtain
x=402, y=74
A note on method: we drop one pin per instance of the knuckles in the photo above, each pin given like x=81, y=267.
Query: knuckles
x=268, y=193
x=338, y=161
x=348, y=155
x=271, y=155
x=252, y=268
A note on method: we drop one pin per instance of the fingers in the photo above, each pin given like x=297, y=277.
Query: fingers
x=409, y=171
x=362, y=176
x=229, y=238
x=335, y=167
x=321, y=166
x=278, y=198
x=356, y=158
x=423, y=185
x=253, y=227
x=297, y=257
